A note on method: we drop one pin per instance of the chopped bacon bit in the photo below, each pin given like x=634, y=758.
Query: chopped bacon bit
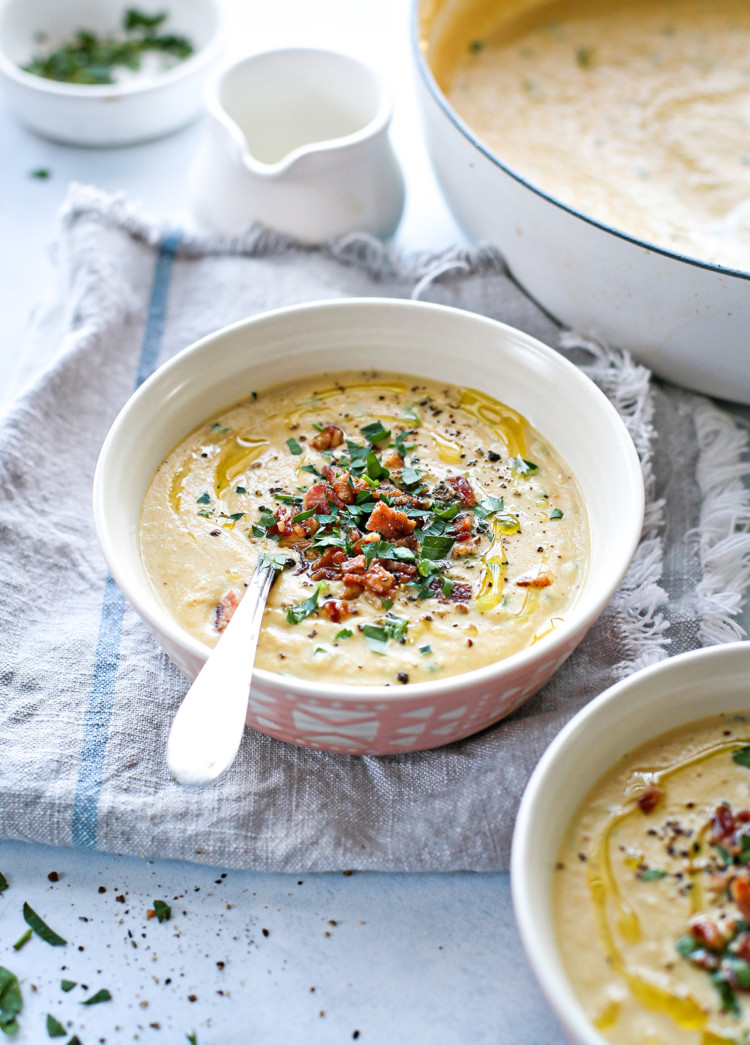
x=393, y=459
x=336, y=610
x=150, y=913
x=397, y=497
x=461, y=527
x=328, y=566
x=722, y=823
x=706, y=933
x=328, y=439
x=377, y=579
x=403, y=571
x=225, y=609
x=356, y=565
x=465, y=544
x=462, y=489
x=285, y=528
x=739, y=890
x=352, y=589
x=531, y=580
x=390, y=522
x=649, y=800
x=316, y=498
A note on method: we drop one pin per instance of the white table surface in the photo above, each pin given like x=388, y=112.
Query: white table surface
x=411, y=958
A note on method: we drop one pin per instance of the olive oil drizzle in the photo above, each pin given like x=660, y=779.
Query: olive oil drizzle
x=503, y=421
x=606, y=894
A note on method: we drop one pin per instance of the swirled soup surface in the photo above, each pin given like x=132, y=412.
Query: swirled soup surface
x=431, y=528
x=652, y=891
x=635, y=112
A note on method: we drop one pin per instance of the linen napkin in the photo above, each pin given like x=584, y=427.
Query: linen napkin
x=86, y=696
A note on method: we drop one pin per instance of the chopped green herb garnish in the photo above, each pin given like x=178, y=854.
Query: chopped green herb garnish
x=163, y=911
x=303, y=516
x=555, y=514
x=411, y=476
x=345, y=633
x=217, y=426
x=277, y=560
x=377, y=637
x=68, y=985
x=100, y=996
x=205, y=498
x=448, y=586
x=476, y=46
x=41, y=173
x=652, y=874
x=396, y=626
x=3, y=882
x=41, y=928
x=294, y=447
x=686, y=945
x=22, y=940
x=88, y=58
x=424, y=650
x=55, y=1029
x=728, y=998
x=489, y=506
x=375, y=469
x=192, y=1039
x=309, y=468
x=295, y=614
x=585, y=56
x=375, y=432
x=446, y=511
x=11, y=1001
x=523, y=467
x=402, y=447
x=235, y=516
x=206, y=513
x=742, y=757
x=240, y=489
x=436, y=548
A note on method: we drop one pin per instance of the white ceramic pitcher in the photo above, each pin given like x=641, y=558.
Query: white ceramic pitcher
x=298, y=140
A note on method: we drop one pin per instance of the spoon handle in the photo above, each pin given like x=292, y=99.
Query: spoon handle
x=208, y=726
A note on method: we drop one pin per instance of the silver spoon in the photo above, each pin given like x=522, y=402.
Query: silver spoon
x=207, y=728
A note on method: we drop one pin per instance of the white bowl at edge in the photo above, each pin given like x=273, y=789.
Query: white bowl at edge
x=410, y=337
x=672, y=693
x=143, y=108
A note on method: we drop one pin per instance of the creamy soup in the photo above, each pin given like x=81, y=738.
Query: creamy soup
x=429, y=529
x=652, y=891
x=636, y=113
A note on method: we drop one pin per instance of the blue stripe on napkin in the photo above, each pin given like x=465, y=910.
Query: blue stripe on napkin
x=104, y=679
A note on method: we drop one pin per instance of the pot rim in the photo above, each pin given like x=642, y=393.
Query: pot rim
x=425, y=72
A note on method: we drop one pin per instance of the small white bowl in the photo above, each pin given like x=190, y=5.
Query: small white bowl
x=673, y=693
x=411, y=337
x=143, y=108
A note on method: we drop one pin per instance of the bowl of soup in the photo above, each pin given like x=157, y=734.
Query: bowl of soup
x=445, y=533
x=630, y=869
x=602, y=148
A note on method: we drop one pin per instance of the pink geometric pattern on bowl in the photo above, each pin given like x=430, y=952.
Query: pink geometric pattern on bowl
x=387, y=728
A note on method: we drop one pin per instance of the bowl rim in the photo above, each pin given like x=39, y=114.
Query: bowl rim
x=159, y=620
x=138, y=86
x=551, y=977
x=376, y=125
x=426, y=74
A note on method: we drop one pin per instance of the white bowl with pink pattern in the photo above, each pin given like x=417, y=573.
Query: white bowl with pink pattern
x=411, y=337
